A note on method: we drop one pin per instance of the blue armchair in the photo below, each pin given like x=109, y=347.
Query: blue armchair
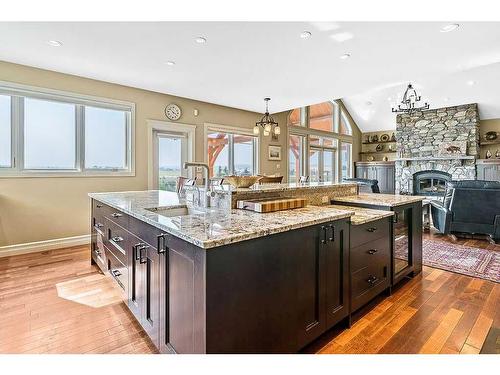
x=469, y=206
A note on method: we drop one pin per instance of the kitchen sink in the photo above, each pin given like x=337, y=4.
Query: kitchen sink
x=175, y=211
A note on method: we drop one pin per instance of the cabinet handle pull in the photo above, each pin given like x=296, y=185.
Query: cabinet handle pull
x=372, y=280
x=116, y=273
x=99, y=225
x=116, y=214
x=98, y=205
x=372, y=229
x=143, y=259
x=396, y=218
x=161, y=244
x=323, y=240
x=117, y=239
x=137, y=249
x=332, y=238
x=372, y=251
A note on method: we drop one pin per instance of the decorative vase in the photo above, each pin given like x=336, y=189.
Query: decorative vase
x=393, y=137
x=488, y=154
x=497, y=154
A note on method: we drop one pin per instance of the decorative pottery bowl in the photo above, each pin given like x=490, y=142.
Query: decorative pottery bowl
x=241, y=181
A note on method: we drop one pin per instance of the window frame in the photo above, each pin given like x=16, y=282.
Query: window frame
x=307, y=132
x=19, y=92
x=230, y=131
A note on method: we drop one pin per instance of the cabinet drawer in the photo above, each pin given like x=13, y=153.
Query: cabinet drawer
x=98, y=251
x=374, y=252
x=98, y=210
x=367, y=283
x=119, y=241
x=118, y=271
x=368, y=232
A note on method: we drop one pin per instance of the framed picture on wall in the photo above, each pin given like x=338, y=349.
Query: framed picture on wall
x=274, y=153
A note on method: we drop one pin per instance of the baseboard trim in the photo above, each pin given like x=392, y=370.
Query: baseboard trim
x=34, y=247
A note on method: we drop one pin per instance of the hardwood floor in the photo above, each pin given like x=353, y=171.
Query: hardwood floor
x=56, y=302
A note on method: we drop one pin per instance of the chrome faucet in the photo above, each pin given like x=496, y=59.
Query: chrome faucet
x=207, y=182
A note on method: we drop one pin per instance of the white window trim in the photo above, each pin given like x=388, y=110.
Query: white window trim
x=79, y=100
x=208, y=127
x=166, y=126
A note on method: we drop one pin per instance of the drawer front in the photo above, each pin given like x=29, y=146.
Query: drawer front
x=119, y=241
x=119, y=272
x=368, y=232
x=98, y=210
x=98, y=252
x=368, y=283
x=116, y=216
x=374, y=252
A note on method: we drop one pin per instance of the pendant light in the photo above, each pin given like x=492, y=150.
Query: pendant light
x=267, y=122
x=410, y=102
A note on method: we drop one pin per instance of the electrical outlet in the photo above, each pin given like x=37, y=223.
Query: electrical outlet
x=324, y=199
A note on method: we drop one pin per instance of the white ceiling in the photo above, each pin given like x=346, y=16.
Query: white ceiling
x=242, y=63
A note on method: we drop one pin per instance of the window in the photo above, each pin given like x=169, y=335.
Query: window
x=346, y=160
x=49, y=135
x=296, y=148
x=44, y=132
x=105, y=138
x=170, y=155
x=5, y=132
x=230, y=152
x=321, y=127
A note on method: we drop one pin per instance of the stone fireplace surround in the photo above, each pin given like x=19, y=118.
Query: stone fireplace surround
x=419, y=135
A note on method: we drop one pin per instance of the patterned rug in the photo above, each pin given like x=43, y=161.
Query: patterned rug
x=466, y=260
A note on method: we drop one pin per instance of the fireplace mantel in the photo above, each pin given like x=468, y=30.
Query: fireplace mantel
x=431, y=158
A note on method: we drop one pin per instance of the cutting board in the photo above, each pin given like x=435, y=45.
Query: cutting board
x=271, y=204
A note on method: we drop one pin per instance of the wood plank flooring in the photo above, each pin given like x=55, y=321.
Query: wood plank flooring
x=56, y=302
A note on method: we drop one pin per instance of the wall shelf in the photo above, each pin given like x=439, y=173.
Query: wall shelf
x=487, y=143
x=377, y=152
x=374, y=143
x=432, y=158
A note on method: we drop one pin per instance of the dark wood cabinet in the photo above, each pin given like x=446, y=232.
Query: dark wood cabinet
x=272, y=294
x=383, y=172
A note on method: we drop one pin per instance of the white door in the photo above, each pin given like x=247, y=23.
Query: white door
x=170, y=153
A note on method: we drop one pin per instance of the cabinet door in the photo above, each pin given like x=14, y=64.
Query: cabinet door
x=337, y=272
x=310, y=259
x=151, y=293
x=136, y=280
x=372, y=173
x=361, y=172
x=491, y=173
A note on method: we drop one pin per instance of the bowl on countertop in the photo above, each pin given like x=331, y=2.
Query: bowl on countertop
x=242, y=181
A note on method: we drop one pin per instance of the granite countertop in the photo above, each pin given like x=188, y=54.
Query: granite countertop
x=386, y=200
x=364, y=215
x=215, y=227
x=281, y=187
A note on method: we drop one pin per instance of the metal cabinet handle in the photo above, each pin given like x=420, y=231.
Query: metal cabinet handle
x=162, y=248
x=116, y=214
x=98, y=205
x=396, y=218
x=137, y=249
x=372, y=229
x=117, y=239
x=143, y=258
x=116, y=273
x=323, y=240
x=97, y=252
x=99, y=225
x=332, y=238
x=372, y=251
x=372, y=280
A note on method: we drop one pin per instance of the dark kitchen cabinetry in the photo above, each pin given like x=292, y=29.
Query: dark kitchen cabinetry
x=272, y=294
x=278, y=293
x=383, y=172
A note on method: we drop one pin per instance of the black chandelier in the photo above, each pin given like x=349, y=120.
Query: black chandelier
x=267, y=123
x=410, y=101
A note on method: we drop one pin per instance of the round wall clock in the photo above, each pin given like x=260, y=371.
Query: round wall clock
x=173, y=112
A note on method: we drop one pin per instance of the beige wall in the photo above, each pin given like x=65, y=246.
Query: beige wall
x=37, y=209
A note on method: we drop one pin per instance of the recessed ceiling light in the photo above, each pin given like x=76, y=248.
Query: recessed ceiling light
x=200, y=40
x=345, y=56
x=170, y=63
x=471, y=83
x=54, y=43
x=446, y=99
x=450, y=27
x=369, y=103
x=305, y=34
x=389, y=99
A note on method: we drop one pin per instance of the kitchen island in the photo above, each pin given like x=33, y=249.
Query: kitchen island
x=227, y=281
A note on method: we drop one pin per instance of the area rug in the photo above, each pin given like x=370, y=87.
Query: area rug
x=466, y=260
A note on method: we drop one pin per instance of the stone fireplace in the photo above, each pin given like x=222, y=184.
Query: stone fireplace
x=419, y=138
